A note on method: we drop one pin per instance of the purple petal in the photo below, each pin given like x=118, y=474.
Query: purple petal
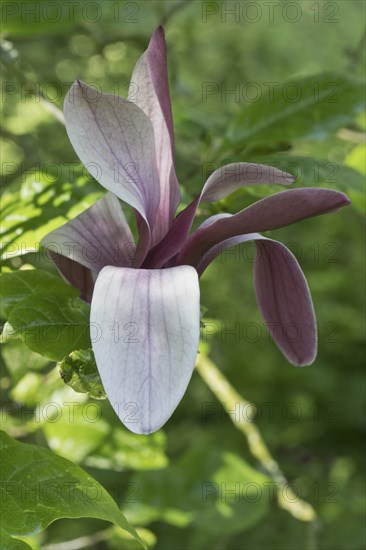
x=98, y=237
x=270, y=213
x=149, y=89
x=174, y=240
x=284, y=299
x=115, y=141
x=149, y=332
x=231, y=177
x=220, y=184
x=76, y=274
x=282, y=294
x=144, y=240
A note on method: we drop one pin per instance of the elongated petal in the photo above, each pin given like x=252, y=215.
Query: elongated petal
x=149, y=321
x=98, y=237
x=231, y=177
x=270, y=213
x=284, y=299
x=282, y=293
x=149, y=89
x=221, y=183
x=115, y=141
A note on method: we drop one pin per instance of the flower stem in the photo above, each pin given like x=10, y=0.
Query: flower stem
x=225, y=393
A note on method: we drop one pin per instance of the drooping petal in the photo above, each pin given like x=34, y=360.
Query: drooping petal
x=284, y=299
x=99, y=236
x=282, y=293
x=149, y=89
x=269, y=213
x=221, y=183
x=146, y=349
x=115, y=141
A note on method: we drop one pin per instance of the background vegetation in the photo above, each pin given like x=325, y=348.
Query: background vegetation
x=222, y=66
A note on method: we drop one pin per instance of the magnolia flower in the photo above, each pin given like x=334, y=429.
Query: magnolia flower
x=145, y=297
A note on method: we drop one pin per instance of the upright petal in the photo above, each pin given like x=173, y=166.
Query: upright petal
x=149, y=89
x=115, y=141
x=221, y=183
x=270, y=213
x=282, y=293
x=149, y=321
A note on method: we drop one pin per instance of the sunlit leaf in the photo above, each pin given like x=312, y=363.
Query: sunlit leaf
x=308, y=107
x=89, y=432
x=50, y=325
x=39, y=487
x=42, y=203
x=16, y=286
x=19, y=359
x=9, y=543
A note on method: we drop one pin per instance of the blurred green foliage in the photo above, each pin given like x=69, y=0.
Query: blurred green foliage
x=224, y=60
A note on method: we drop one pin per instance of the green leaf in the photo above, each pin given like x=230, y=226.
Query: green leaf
x=39, y=487
x=14, y=19
x=219, y=494
x=19, y=360
x=50, y=325
x=42, y=203
x=79, y=371
x=123, y=450
x=119, y=540
x=9, y=543
x=310, y=107
x=89, y=432
x=16, y=286
x=75, y=429
x=320, y=172
x=29, y=389
x=240, y=491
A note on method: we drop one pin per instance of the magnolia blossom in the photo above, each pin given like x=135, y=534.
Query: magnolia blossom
x=145, y=296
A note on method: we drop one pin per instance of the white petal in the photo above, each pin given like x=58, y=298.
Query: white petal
x=148, y=340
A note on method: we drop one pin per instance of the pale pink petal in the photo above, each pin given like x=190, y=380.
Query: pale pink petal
x=114, y=139
x=99, y=236
x=148, y=341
